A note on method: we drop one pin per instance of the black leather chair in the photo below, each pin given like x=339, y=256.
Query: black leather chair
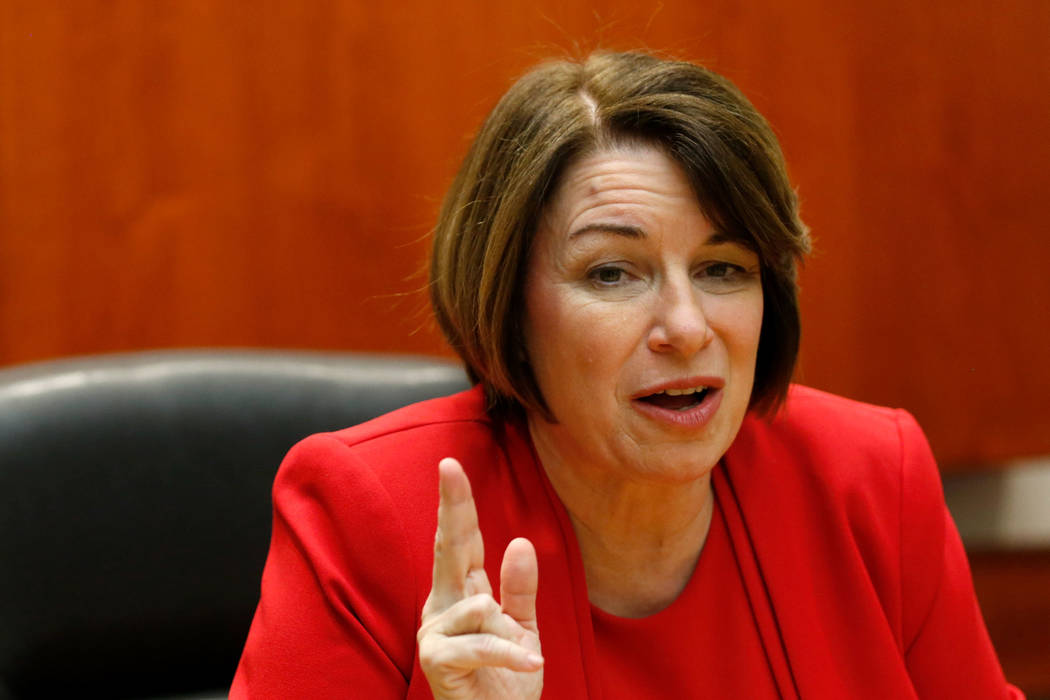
x=135, y=506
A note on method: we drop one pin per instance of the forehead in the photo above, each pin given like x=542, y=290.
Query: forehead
x=634, y=185
x=625, y=172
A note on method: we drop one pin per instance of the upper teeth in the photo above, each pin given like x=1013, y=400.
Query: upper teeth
x=683, y=392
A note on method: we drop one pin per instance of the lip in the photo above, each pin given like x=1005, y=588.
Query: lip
x=695, y=417
x=683, y=383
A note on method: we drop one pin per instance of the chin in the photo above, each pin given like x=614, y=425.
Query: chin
x=681, y=468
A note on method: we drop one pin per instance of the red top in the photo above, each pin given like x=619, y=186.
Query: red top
x=708, y=633
x=855, y=579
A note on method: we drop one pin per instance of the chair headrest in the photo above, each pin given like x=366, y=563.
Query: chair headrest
x=134, y=502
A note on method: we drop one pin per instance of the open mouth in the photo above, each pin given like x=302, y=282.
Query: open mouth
x=677, y=399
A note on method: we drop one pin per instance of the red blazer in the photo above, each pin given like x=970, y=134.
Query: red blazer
x=851, y=563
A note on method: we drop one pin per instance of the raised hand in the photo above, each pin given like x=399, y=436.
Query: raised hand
x=470, y=646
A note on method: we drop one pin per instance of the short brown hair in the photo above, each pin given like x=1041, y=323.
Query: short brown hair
x=557, y=113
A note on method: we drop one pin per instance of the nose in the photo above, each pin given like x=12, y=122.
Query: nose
x=679, y=324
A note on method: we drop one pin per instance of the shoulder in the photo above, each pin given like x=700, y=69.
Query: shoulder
x=822, y=420
x=860, y=477
x=855, y=454
x=392, y=458
x=838, y=439
x=842, y=452
x=858, y=468
x=353, y=499
x=354, y=513
x=401, y=438
x=433, y=416
x=382, y=474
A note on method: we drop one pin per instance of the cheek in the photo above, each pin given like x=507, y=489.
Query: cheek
x=740, y=326
x=574, y=341
x=747, y=334
x=564, y=331
x=750, y=330
x=542, y=322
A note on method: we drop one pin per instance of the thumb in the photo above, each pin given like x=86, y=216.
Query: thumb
x=518, y=582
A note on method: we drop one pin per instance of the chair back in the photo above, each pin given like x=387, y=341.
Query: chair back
x=135, y=505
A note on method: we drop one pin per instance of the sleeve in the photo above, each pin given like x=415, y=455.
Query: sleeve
x=947, y=648
x=337, y=611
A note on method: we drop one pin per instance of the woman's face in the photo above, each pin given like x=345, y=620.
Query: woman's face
x=641, y=322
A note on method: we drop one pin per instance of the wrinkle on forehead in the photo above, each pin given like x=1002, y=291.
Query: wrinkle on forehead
x=614, y=181
x=604, y=169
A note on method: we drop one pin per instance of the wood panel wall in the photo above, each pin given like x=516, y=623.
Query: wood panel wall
x=224, y=173
x=185, y=173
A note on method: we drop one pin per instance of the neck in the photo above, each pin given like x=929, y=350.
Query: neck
x=639, y=539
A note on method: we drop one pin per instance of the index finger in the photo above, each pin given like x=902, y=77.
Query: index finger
x=459, y=551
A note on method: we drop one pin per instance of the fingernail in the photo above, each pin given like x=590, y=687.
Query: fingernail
x=534, y=659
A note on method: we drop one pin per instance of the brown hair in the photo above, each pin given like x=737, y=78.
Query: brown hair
x=562, y=110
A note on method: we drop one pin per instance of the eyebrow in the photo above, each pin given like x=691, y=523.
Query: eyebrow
x=617, y=229
x=627, y=231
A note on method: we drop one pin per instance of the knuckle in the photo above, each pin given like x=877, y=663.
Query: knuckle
x=477, y=608
x=446, y=541
x=492, y=648
x=427, y=659
x=433, y=652
x=485, y=604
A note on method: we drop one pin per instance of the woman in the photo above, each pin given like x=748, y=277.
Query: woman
x=615, y=263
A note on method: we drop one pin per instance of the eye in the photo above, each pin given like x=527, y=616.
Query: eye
x=721, y=270
x=607, y=275
x=720, y=277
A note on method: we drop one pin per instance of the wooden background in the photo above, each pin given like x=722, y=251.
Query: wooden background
x=265, y=174
x=235, y=173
